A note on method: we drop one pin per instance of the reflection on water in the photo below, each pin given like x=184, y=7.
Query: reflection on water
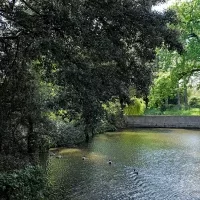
x=167, y=160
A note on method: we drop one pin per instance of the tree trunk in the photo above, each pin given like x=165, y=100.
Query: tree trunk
x=86, y=131
x=178, y=98
x=87, y=128
x=185, y=98
x=166, y=102
x=1, y=141
x=146, y=100
x=31, y=141
x=185, y=95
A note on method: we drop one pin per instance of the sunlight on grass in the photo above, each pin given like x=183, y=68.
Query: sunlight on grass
x=190, y=112
x=175, y=112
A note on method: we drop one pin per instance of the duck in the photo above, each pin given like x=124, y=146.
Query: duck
x=134, y=171
x=59, y=156
x=109, y=162
x=51, y=153
x=83, y=158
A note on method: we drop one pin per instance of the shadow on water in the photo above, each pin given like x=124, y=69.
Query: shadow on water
x=167, y=162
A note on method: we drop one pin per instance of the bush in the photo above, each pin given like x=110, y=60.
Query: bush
x=194, y=102
x=25, y=184
x=113, y=118
x=105, y=126
x=137, y=107
x=13, y=162
x=67, y=134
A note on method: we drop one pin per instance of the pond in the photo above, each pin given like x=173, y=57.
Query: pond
x=167, y=162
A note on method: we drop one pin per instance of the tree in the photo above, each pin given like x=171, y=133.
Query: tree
x=92, y=51
x=183, y=66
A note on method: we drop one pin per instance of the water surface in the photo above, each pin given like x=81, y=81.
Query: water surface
x=167, y=162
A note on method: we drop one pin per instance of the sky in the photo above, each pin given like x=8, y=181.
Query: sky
x=162, y=7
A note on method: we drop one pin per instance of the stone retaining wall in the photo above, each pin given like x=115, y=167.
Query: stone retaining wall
x=163, y=121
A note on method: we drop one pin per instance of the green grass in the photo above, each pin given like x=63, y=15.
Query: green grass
x=174, y=111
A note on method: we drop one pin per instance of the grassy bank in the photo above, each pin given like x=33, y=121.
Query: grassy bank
x=174, y=111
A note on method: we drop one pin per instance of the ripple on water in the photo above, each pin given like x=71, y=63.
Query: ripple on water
x=168, y=166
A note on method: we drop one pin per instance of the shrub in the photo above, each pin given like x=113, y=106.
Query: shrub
x=67, y=134
x=105, y=126
x=113, y=118
x=137, y=107
x=13, y=162
x=195, y=102
x=25, y=184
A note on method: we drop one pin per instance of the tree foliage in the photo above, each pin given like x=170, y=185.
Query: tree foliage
x=88, y=51
x=182, y=67
x=162, y=89
x=29, y=183
x=136, y=107
x=188, y=15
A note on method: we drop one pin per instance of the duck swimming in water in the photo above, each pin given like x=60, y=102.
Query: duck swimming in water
x=83, y=158
x=58, y=156
x=51, y=153
x=109, y=162
x=135, y=172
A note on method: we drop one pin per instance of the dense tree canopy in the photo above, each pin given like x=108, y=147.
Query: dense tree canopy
x=188, y=15
x=88, y=51
x=180, y=67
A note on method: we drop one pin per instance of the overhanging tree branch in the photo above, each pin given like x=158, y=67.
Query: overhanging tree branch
x=30, y=7
x=11, y=37
x=188, y=73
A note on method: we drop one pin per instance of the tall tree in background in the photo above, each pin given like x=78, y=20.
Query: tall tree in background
x=182, y=67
